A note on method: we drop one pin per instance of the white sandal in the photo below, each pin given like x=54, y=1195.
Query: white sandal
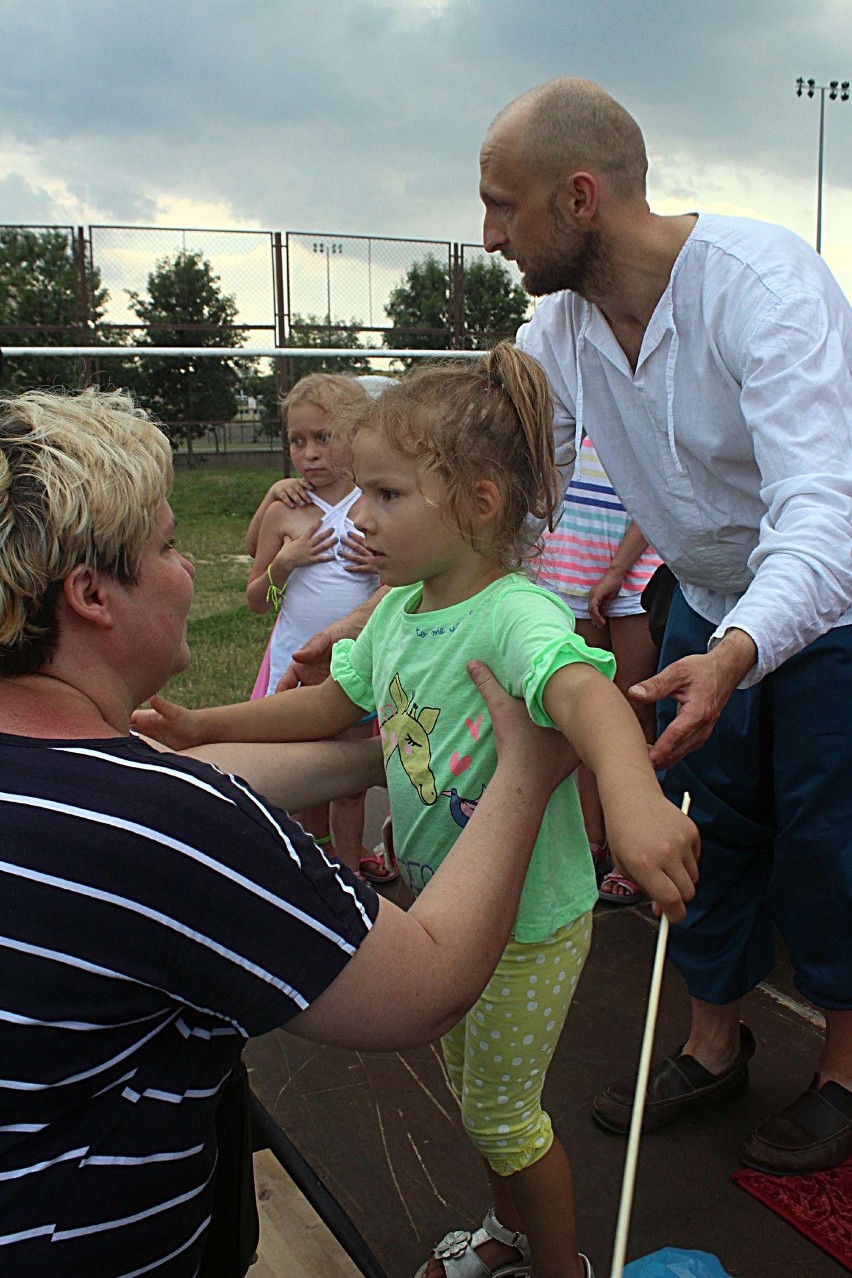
x=456, y=1252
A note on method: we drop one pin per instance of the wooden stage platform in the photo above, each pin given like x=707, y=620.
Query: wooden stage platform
x=382, y=1131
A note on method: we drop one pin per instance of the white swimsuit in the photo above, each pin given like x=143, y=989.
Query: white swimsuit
x=320, y=593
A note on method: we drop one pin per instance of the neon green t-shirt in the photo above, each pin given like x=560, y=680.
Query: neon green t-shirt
x=437, y=737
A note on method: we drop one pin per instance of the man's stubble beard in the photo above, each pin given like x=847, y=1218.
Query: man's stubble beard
x=582, y=267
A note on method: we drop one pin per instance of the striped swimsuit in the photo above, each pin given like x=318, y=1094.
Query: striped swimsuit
x=579, y=550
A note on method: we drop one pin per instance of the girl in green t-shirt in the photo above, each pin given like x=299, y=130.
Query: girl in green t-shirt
x=451, y=461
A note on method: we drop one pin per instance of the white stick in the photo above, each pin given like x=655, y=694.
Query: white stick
x=629, y=1181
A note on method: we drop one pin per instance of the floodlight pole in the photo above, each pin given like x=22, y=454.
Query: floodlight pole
x=834, y=89
x=321, y=246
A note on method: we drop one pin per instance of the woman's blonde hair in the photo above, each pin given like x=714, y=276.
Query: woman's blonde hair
x=467, y=421
x=82, y=478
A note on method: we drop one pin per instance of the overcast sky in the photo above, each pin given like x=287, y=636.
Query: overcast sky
x=365, y=116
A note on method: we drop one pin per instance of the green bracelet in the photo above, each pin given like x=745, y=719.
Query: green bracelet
x=274, y=594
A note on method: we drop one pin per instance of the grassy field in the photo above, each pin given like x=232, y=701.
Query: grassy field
x=213, y=509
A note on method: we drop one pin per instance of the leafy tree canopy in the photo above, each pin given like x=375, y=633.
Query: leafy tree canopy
x=185, y=306
x=304, y=333
x=43, y=302
x=422, y=302
x=262, y=387
x=492, y=306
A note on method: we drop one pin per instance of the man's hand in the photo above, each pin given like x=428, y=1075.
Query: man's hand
x=172, y=725
x=701, y=684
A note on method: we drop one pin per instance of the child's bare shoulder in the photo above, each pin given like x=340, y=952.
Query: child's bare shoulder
x=288, y=521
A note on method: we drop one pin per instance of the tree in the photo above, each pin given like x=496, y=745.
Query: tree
x=421, y=309
x=185, y=306
x=421, y=303
x=309, y=331
x=47, y=298
x=494, y=307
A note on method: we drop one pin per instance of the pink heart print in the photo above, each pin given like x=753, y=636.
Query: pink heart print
x=473, y=726
x=459, y=764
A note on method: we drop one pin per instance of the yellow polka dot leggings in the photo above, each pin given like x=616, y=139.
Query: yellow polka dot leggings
x=497, y=1057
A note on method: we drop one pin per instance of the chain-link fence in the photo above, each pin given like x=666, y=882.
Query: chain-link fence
x=348, y=282
x=131, y=258
x=137, y=287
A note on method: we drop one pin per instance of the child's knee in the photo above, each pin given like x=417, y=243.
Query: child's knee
x=508, y=1143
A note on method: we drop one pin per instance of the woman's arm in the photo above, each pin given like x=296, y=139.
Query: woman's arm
x=433, y=961
x=301, y=774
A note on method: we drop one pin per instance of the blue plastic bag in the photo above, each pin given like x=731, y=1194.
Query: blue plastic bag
x=672, y=1262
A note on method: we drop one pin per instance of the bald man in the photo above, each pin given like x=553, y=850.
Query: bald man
x=710, y=360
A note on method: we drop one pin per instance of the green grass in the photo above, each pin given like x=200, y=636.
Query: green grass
x=213, y=510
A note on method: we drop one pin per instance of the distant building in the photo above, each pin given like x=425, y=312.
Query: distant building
x=248, y=408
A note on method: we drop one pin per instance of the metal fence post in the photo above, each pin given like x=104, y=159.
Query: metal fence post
x=280, y=340
x=457, y=286
x=83, y=301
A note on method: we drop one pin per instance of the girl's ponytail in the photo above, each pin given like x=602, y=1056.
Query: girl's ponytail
x=490, y=418
x=526, y=385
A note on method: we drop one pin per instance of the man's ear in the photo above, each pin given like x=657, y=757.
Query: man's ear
x=577, y=198
x=486, y=496
x=84, y=594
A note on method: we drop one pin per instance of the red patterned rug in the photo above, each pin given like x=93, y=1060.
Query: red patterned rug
x=819, y=1206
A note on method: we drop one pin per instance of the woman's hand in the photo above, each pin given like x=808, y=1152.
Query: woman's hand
x=542, y=756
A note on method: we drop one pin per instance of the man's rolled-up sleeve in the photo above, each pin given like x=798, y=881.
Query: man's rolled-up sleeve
x=797, y=402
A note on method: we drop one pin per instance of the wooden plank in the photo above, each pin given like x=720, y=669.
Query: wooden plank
x=383, y=1133
x=294, y=1243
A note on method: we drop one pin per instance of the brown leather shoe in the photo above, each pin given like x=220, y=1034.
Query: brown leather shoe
x=676, y=1086
x=813, y=1134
